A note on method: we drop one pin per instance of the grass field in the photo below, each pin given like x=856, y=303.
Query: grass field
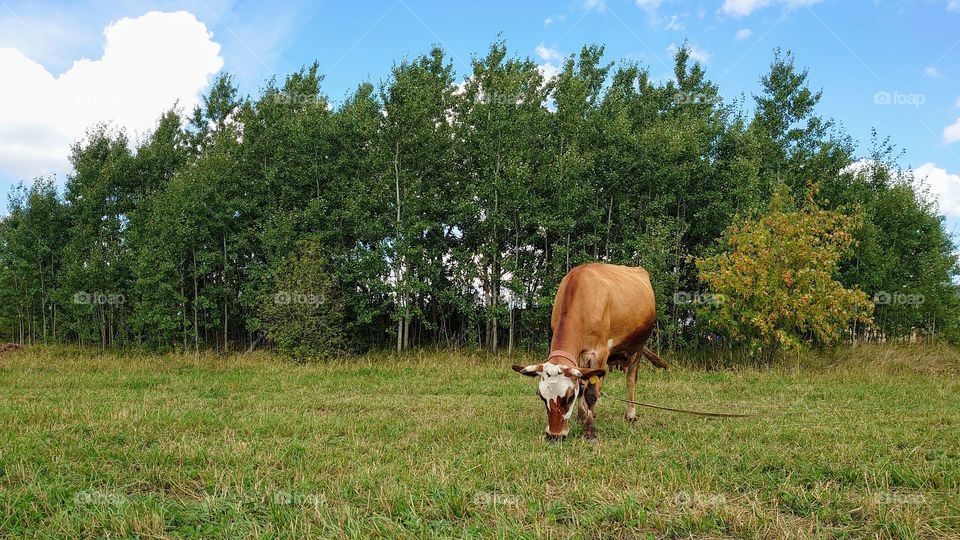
x=449, y=445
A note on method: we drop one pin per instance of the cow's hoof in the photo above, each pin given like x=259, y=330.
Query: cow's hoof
x=630, y=417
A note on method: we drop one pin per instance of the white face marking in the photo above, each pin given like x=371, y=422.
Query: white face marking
x=554, y=384
x=609, y=343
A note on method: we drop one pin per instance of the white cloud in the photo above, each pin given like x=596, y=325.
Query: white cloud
x=953, y=5
x=742, y=8
x=945, y=187
x=674, y=24
x=861, y=166
x=148, y=64
x=548, y=71
x=744, y=33
x=700, y=55
x=696, y=53
x=600, y=5
x=951, y=133
x=554, y=20
x=932, y=72
x=547, y=53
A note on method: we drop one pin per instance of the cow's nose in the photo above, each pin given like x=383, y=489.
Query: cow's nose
x=554, y=438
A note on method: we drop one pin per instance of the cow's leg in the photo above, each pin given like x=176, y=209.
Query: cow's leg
x=585, y=416
x=632, y=368
x=583, y=411
x=586, y=406
x=592, y=393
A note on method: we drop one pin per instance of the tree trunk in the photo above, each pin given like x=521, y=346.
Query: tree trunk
x=103, y=326
x=226, y=289
x=609, y=226
x=510, y=339
x=406, y=327
x=183, y=315
x=399, y=334
x=196, y=328
x=398, y=259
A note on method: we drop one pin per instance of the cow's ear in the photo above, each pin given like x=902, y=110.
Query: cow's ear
x=530, y=370
x=587, y=374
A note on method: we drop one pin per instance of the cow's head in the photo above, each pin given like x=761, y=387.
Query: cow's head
x=559, y=388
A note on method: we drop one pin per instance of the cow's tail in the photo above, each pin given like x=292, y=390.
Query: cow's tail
x=654, y=359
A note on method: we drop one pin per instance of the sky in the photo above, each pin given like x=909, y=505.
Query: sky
x=892, y=65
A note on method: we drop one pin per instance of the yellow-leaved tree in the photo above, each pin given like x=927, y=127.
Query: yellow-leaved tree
x=774, y=279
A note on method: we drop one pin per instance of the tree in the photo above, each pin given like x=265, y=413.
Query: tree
x=904, y=258
x=100, y=195
x=304, y=314
x=447, y=214
x=33, y=238
x=500, y=118
x=773, y=283
x=795, y=146
x=415, y=151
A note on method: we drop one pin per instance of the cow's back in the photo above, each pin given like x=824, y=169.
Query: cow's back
x=606, y=306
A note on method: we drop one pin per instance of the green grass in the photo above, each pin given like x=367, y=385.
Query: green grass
x=449, y=445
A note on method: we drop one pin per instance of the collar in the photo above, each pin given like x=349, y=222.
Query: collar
x=565, y=355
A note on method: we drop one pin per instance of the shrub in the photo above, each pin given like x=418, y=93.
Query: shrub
x=304, y=315
x=774, y=278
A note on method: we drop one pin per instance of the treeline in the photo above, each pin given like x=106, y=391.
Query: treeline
x=423, y=212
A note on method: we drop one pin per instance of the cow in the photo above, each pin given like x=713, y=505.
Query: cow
x=602, y=316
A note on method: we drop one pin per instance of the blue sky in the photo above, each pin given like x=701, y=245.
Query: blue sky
x=889, y=64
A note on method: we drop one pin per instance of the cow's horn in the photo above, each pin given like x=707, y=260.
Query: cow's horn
x=527, y=370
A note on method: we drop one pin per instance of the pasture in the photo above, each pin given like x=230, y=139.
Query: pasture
x=451, y=445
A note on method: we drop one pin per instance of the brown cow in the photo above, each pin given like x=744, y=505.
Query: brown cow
x=602, y=314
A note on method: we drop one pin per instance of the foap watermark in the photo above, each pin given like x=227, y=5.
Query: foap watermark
x=294, y=498
x=98, y=498
x=685, y=499
x=891, y=498
x=295, y=297
x=884, y=97
x=99, y=298
x=697, y=298
x=501, y=99
x=695, y=98
x=884, y=298
x=296, y=98
x=490, y=499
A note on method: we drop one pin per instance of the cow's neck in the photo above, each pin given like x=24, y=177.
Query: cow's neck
x=567, y=339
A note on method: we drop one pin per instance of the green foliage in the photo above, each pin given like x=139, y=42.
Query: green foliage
x=447, y=213
x=905, y=257
x=304, y=314
x=773, y=284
